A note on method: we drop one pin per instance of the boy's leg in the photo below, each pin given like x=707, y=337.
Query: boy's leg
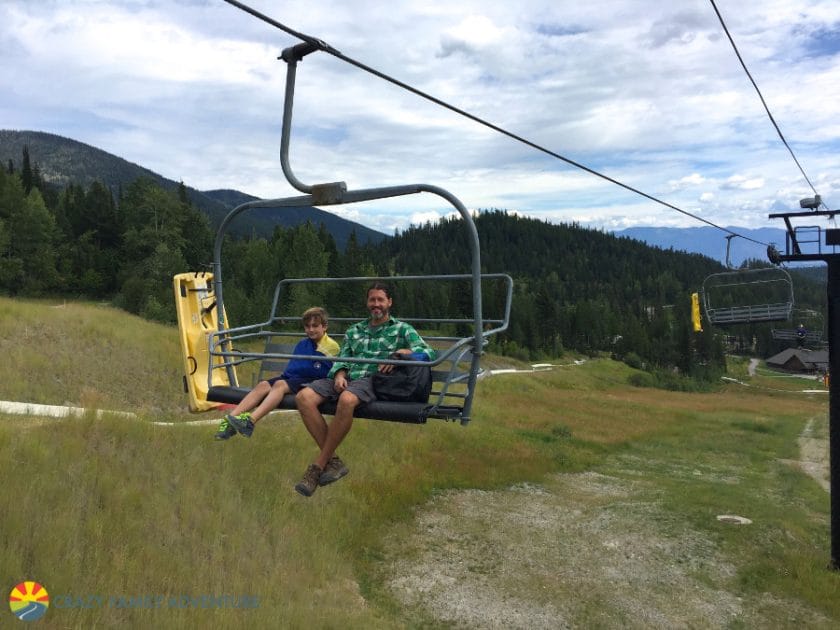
x=239, y=418
x=271, y=400
x=252, y=398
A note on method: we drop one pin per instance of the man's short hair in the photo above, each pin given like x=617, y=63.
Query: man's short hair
x=316, y=314
x=381, y=286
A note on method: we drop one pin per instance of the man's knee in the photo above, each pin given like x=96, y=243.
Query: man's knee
x=306, y=398
x=348, y=400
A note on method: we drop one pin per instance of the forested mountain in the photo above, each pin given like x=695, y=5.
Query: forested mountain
x=60, y=161
x=263, y=220
x=575, y=288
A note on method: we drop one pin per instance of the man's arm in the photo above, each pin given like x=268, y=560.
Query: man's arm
x=346, y=351
x=418, y=349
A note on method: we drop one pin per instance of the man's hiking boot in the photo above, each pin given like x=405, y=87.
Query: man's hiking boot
x=225, y=431
x=309, y=484
x=241, y=423
x=333, y=471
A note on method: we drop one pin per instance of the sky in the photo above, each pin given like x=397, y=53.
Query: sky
x=649, y=94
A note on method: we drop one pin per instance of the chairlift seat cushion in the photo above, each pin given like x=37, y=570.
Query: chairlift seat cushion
x=408, y=412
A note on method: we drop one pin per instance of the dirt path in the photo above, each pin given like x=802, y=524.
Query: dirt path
x=813, y=452
x=580, y=550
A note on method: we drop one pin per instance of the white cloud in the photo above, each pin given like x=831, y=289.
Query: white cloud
x=419, y=218
x=654, y=99
x=740, y=182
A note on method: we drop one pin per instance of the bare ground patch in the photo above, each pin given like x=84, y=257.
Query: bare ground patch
x=813, y=452
x=582, y=550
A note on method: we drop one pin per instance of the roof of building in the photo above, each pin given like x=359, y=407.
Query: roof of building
x=809, y=359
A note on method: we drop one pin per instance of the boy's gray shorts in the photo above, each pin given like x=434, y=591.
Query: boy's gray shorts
x=362, y=388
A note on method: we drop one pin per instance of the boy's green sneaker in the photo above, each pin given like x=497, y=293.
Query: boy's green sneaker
x=241, y=423
x=225, y=431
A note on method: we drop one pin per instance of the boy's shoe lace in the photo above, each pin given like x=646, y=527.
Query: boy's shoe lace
x=225, y=431
x=241, y=423
x=309, y=484
x=333, y=471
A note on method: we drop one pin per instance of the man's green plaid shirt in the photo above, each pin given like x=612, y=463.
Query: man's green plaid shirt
x=364, y=341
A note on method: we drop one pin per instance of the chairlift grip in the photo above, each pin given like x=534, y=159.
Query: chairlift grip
x=295, y=53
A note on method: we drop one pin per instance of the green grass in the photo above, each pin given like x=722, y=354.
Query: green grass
x=124, y=508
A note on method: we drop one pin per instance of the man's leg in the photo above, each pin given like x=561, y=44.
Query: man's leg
x=338, y=428
x=307, y=401
x=326, y=468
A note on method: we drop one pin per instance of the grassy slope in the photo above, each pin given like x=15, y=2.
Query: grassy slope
x=123, y=508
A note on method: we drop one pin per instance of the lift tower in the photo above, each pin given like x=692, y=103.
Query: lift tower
x=804, y=243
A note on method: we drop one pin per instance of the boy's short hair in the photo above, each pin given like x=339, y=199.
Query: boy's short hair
x=315, y=313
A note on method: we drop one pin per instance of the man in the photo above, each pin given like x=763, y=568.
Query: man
x=377, y=337
x=801, y=335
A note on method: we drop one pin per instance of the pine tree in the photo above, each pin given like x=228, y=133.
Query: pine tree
x=26, y=171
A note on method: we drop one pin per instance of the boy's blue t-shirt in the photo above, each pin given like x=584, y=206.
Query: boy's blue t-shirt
x=306, y=370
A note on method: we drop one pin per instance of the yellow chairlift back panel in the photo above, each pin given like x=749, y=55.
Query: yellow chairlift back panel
x=695, y=312
x=197, y=317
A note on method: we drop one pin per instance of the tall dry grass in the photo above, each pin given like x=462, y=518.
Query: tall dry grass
x=125, y=508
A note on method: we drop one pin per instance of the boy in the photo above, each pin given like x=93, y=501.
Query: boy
x=267, y=394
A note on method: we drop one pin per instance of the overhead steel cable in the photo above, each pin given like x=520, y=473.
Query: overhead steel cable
x=761, y=97
x=321, y=45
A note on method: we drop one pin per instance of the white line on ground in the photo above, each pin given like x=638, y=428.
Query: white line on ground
x=53, y=411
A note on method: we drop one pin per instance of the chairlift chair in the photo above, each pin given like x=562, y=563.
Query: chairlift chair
x=456, y=367
x=808, y=331
x=745, y=296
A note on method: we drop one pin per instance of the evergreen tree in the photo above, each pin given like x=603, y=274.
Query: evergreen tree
x=26, y=171
x=31, y=253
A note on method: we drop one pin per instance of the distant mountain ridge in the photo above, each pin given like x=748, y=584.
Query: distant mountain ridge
x=62, y=161
x=710, y=241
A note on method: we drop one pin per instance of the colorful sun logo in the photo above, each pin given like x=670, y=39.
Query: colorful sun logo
x=29, y=601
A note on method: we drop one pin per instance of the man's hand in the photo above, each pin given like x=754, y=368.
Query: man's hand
x=340, y=380
x=387, y=368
